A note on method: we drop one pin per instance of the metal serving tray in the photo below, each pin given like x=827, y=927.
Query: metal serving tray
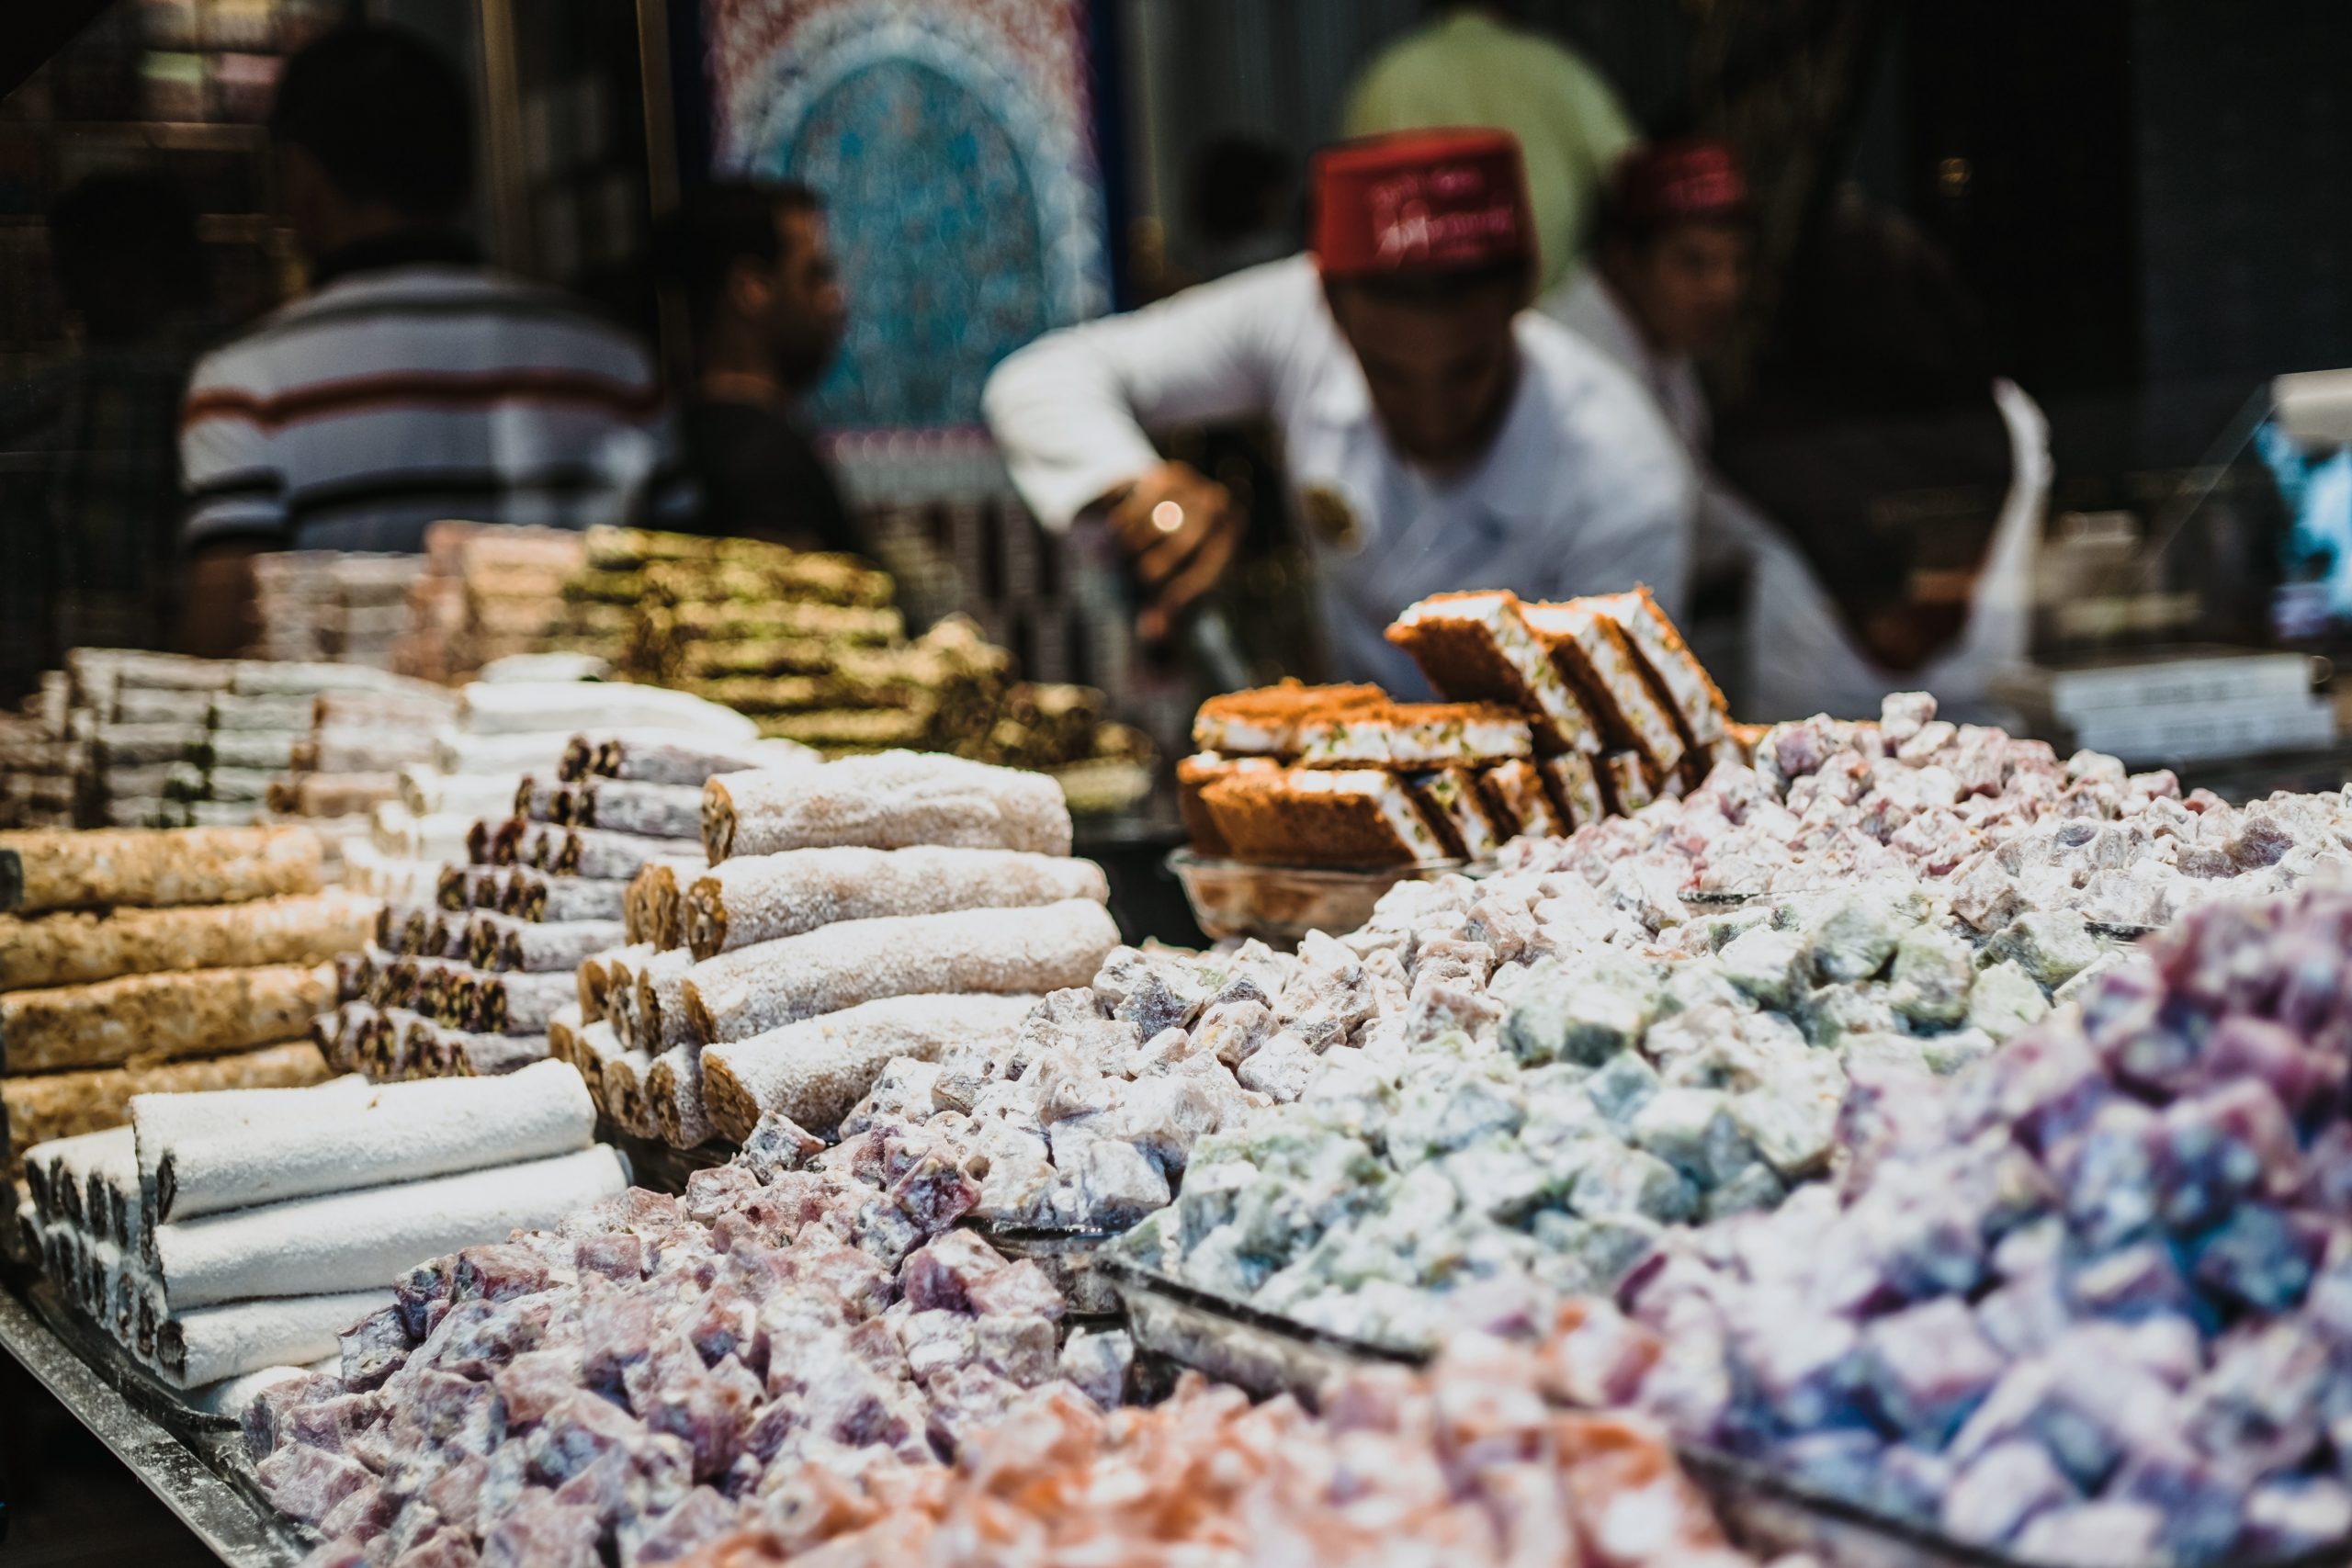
x=198, y=1470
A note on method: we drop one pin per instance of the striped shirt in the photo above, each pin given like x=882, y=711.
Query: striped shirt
x=398, y=396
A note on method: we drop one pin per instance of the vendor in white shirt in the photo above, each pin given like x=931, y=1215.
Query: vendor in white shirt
x=1438, y=436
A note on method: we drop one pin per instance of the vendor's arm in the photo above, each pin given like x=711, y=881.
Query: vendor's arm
x=1069, y=409
x=1627, y=505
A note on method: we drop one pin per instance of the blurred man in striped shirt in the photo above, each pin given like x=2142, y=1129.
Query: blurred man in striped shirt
x=412, y=383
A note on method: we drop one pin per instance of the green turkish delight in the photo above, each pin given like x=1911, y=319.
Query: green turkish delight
x=1933, y=971
x=1767, y=964
x=1584, y=1012
x=2005, y=999
x=2052, y=946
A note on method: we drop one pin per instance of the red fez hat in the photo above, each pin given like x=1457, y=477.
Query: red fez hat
x=1692, y=179
x=1421, y=201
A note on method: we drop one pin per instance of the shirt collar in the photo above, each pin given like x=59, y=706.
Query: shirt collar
x=411, y=247
x=1510, y=480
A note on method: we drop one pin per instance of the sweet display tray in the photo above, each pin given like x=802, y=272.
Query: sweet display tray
x=194, y=1462
x=1765, y=1512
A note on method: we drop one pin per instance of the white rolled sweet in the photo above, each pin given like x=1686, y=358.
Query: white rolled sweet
x=604, y=706
x=402, y=1132
x=349, y=1241
x=159, y=1121
x=210, y=1343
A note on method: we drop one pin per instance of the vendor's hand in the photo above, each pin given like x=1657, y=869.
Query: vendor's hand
x=1180, y=529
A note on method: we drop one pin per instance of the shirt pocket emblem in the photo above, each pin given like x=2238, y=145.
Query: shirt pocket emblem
x=1332, y=520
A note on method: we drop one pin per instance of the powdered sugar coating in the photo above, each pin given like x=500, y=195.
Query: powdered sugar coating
x=814, y=1071
x=756, y=989
x=757, y=898
x=888, y=801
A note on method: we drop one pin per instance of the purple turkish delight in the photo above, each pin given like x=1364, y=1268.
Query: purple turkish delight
x=2286, y=1517
x=540, y=1532
x=2096, y=1535
x=374, y=1348
x=2001, y=1491
x=2224, y=1144
x=1930, y=1366
x=533, y=1381
x=2133, y=1282
x=2107, y=1172
x=422, y=1295
x=2259, y=1256
x=497, y=1272
x=305, y=1484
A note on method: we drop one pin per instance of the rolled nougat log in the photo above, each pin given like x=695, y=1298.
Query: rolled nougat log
x=470, y=887
x=346, y=1240
x=535, y=800
x=535, y=895
x=58, y=1105
x=69, y=948
x=887, y=802
x=596, y=977
x=44, y=870
x=333, y=795
x=593, y=851
x=203, y=1346
x=502, y=943
x=158, y=1017
x=361, y=751
x=816, y=1071
x=651, y=810
x=261, y=710
x=398, y=1132
x=563, y=1034
x=259, y=751
x=674, y=1091
x=1003, y=951
x=655, y=899
x=621, y=1092
x=335, y=1034
x=495, y=1055
x=518, y=1003
x=661, y=1017
x=160, y=1122
x=597, y=1044
x=519, y=842
x=424, y=709
x=144, y=745
x=755, y=898
x=682, y=762
x=428, y=792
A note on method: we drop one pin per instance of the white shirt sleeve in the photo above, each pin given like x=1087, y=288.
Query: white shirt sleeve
x=1069, y=409
x=1628, y=514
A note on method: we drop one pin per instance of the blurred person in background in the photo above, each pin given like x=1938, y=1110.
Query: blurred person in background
x=1667, y=280
x=764, y=295
x=1471, y=65
x=1243, y=197
x=1898, y=482
x=90, y=444
x=1437, y=435
x=413, y=383
x=1669, y=272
